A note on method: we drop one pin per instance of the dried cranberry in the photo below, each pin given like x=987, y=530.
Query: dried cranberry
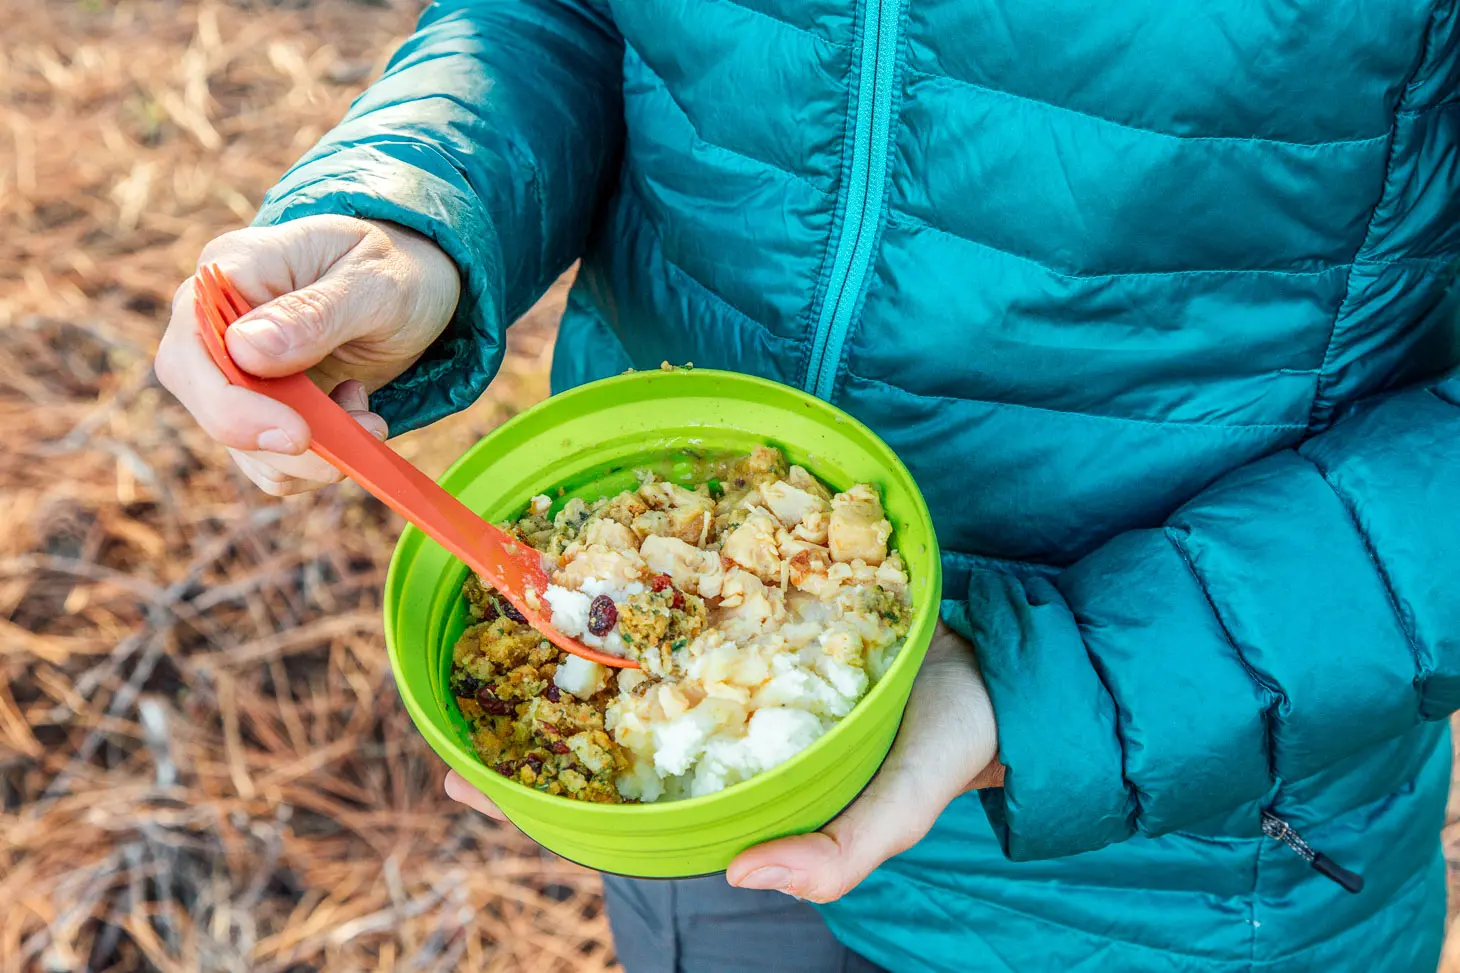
x=467, y=687
x=602, y=616
x=559, y=747
x=663, y=582
x=491, y=704
x=489, y=610
x=552, y=692
x=534, y=761
x=507, y=768
x=510, y=610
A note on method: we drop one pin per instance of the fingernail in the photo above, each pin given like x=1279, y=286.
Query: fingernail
x=277, y=441
x=266, y=336
x=772, y=877
x=373, y=424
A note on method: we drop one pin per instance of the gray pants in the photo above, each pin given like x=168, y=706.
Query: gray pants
x=703, y=925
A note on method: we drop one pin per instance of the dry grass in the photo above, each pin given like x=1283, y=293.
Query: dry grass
x=203, y=761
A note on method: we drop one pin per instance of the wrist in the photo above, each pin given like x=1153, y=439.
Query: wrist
x=956, y=653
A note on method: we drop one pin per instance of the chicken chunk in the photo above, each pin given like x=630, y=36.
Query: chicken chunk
x=892, y=575
x=610, y=534
x=764, y=463
x=814, y=528
x=688, y=513
x=747, y=606
x=691, y=569
x=624, y=508
x=804, y=481
x=807, y=567
x=752, y=545
x=857, y=529
x=791, y=504
x=595, y=561
x=653, y=523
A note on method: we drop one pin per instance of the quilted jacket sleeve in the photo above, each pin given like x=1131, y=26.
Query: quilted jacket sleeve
x=493, y=131
x=1301, y=608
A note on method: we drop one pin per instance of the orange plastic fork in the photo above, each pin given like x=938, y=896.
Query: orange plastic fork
x=514, y=569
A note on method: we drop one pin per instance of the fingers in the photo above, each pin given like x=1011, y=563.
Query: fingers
x=351, y=397
x=948, y=738
x=281, y=475
x=261, y=262
x=258, y=467
x=264, y=262
x=298, y=330
x=233, y=416
x=351, y=286
x=306, y=302
x=463, y=793
x=295, y=274
x=897, y=810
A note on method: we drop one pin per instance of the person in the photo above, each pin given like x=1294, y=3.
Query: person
x=1156, y=302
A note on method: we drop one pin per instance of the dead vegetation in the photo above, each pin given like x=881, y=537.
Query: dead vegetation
x=203, y=761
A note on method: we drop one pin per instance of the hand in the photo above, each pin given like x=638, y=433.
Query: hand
x=352, y=302
x=946, y=747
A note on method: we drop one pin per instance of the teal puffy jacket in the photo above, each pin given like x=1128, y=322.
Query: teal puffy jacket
x=1153, y=298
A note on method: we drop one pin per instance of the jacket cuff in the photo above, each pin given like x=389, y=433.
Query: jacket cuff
x=1064, y=792
x=362, y=182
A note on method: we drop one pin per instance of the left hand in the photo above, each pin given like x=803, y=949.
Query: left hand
x=946, y=747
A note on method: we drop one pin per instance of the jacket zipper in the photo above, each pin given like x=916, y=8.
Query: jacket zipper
x=872, y=124
x=1278, y=829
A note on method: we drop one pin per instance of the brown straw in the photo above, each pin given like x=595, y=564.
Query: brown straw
x=204, y=764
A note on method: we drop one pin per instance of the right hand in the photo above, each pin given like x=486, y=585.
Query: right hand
x=351, y=302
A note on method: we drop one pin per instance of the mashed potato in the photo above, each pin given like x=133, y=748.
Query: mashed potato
x=760, y=612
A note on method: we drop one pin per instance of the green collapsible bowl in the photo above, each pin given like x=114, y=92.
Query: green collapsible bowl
x=589, y=442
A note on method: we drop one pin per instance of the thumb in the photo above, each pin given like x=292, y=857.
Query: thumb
x=298, y=330
x=891, y=816
x=947, y=740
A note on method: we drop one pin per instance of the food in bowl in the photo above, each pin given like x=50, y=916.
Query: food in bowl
x=759, y=605
x=588, y=441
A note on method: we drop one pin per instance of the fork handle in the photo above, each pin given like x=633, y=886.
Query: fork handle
x=350, y=448
x=513, y=568
x=342, y=442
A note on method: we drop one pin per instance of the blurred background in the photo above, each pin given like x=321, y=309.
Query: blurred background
x=204, y=764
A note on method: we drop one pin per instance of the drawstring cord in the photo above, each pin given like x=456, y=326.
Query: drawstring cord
x=1278, y=829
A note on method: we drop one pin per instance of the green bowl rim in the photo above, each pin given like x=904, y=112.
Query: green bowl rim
x=924, y=616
